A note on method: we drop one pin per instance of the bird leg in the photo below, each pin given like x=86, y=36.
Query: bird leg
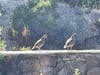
x=70, y=48
x=39, y=48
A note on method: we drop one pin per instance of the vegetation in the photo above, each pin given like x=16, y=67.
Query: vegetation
x=3, y=44
x=25, y=48
x=42, y=4
x=77, y=71
x=31, y=16
x=28, y=19
x=90, y=3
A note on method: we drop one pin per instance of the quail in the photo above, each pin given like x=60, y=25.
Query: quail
x=69, y=43
x=39, y=44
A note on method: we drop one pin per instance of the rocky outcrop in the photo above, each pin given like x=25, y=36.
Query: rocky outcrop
x=94, y=71
x=85, y=64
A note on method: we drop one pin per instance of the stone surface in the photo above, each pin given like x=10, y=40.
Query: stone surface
x=63, y=72
x=30, y=65
x=94, y=71
x=50, y=61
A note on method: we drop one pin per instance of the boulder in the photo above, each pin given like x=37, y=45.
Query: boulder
x=94, y=71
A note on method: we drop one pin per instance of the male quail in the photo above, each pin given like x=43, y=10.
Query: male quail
x=69, y=43
x=40, y=42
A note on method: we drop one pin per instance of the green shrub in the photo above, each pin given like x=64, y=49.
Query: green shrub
x=42, y=4
x=3, y=44
x=34, y=13
x=76, y=71
x=25, y=48
x=90, y=3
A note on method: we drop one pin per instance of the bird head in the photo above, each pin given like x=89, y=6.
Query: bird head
x=45, y=36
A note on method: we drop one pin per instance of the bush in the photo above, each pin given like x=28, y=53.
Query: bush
x=25, y=48
x=33, y=16
x=3, y=44
x=39, y=17
x=77, y=71
x=92, y=4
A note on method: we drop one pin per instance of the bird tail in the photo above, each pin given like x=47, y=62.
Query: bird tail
x=33, y=47
x=64, y=47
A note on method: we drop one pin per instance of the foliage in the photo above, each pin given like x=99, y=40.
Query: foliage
x=33, y=15
x=41, y=73
x=24, y=14
x=25, y=48
x=2, y=56
x=3, y=44
x=76, y=71
x=90, y=3
x=12, y=32
x=42, y=4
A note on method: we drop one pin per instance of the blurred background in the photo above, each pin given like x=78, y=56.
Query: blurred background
x=23, y=22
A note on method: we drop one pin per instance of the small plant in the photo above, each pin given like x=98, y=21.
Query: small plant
x=41, y=73
x=76, y=71
x=25, y=48
x=3, y=44
x=42, y=3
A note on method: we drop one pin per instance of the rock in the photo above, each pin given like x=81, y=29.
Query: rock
x=91, y=61
x=47, y=70
x=59, y=66
x=31, y=73
x=72, y=65
x=94, y=71
x=49, y=73
x=63, y=72
x=49, y=61
x=82, y=68
x=91, y=43
x=29, y=65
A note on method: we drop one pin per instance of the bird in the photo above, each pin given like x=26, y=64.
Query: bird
x=69, y=42
x=39, y=44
